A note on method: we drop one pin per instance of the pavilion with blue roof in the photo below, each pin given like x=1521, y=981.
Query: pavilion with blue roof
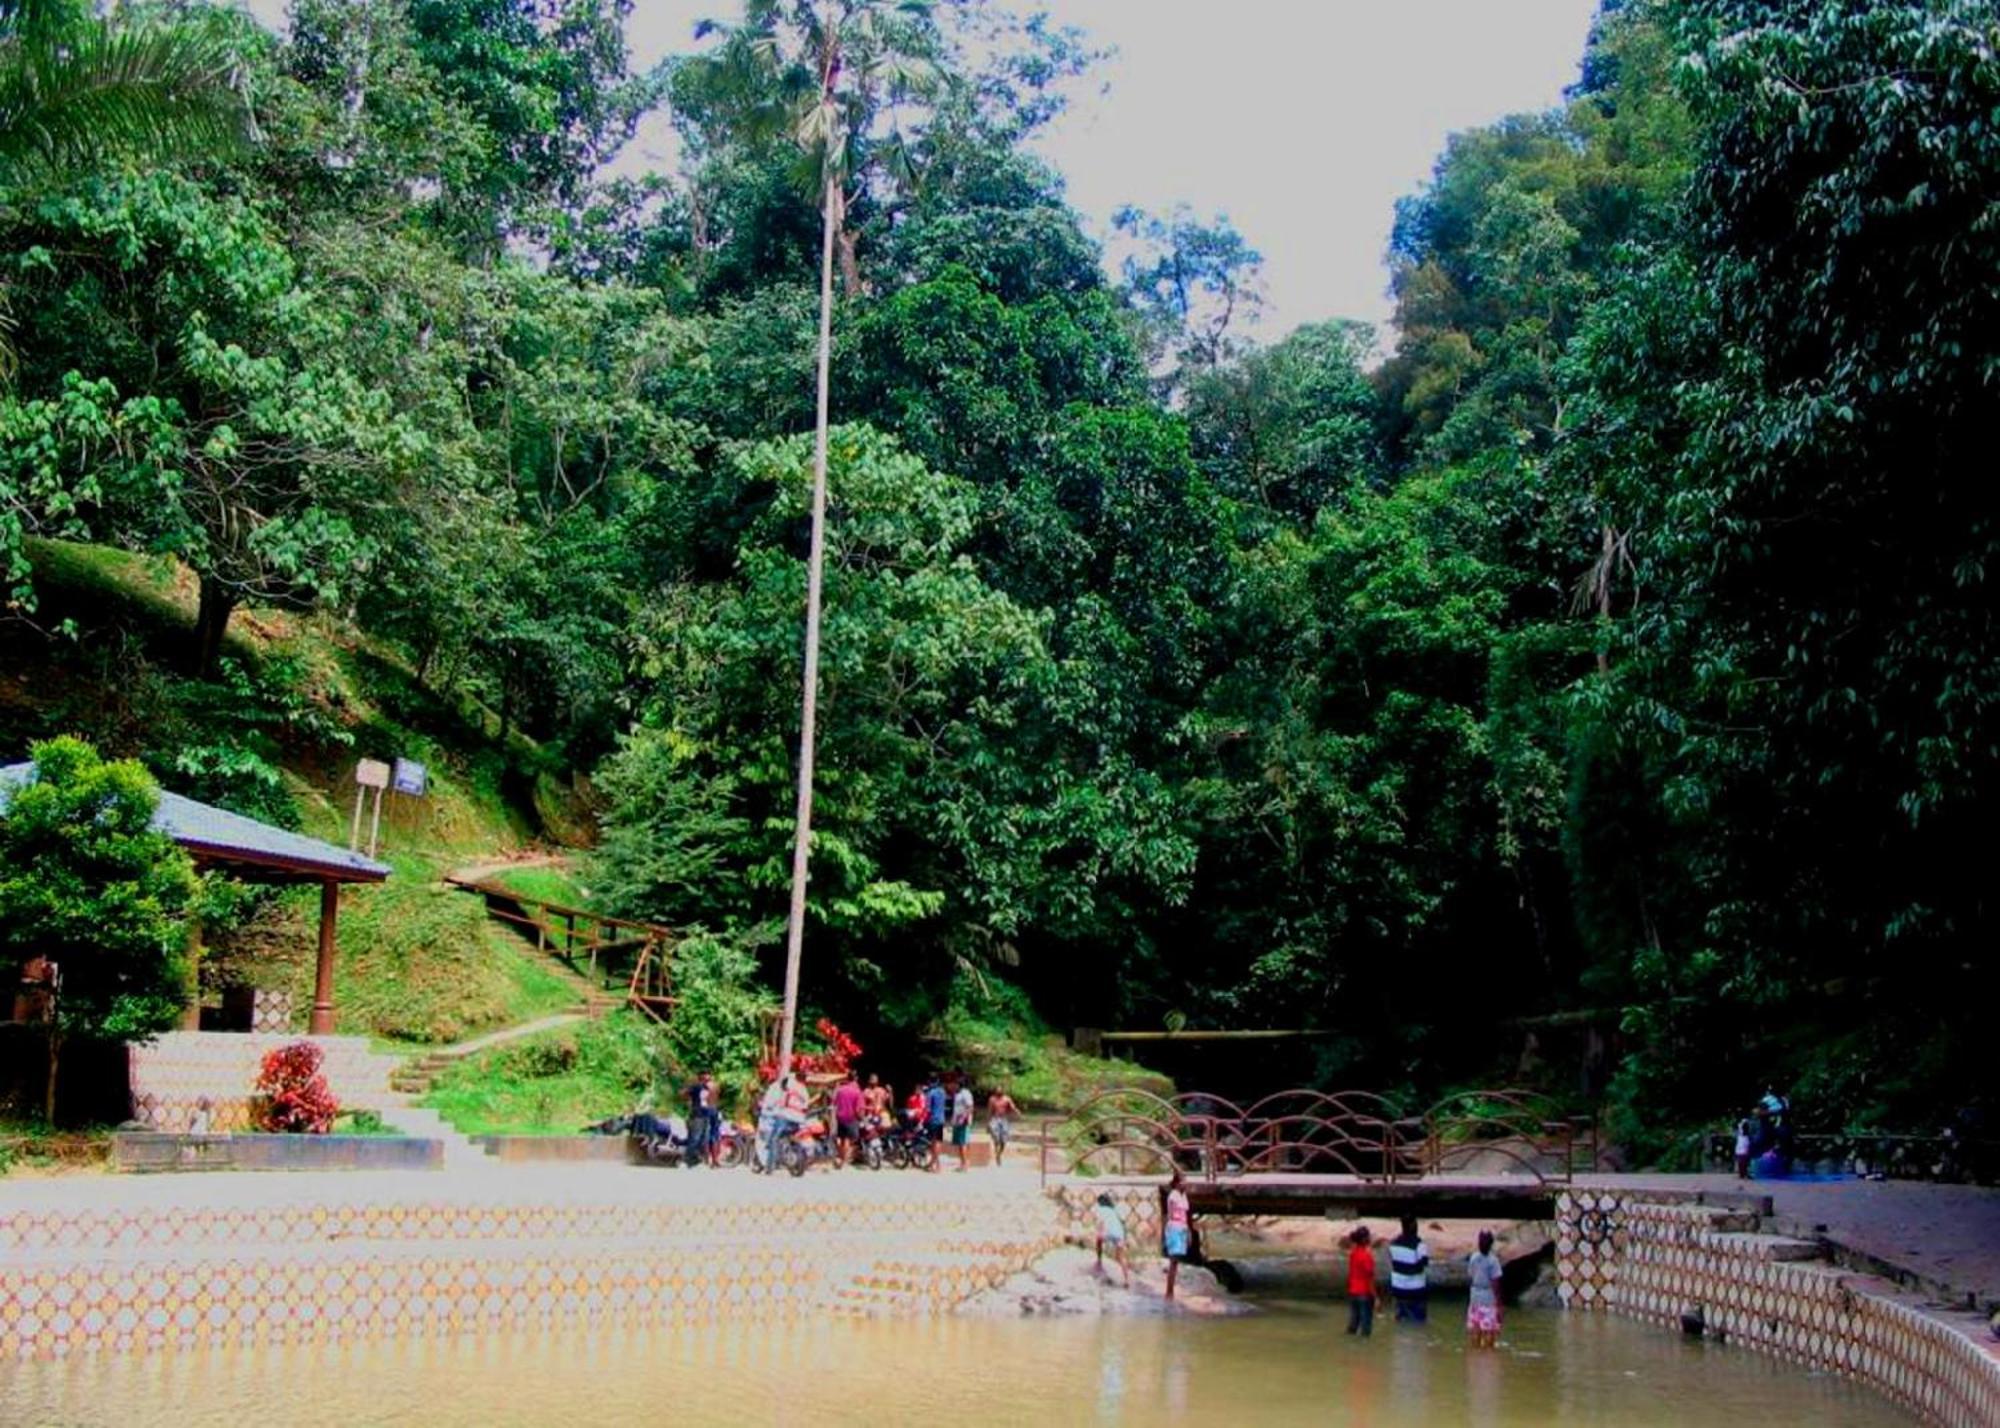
x=255, y=852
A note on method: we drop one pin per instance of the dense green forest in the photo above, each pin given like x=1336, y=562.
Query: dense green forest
x=1609, y=645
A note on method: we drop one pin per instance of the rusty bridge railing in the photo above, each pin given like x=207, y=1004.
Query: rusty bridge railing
x=1359, y=1134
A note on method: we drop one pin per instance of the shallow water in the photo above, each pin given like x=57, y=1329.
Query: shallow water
x=1292, y=1364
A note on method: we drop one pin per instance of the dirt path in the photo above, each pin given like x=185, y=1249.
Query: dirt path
x=479, y=872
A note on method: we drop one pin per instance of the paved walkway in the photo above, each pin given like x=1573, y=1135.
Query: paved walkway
x=1946, y=1236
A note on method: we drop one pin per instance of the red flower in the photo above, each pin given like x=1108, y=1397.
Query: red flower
x=292, y=1094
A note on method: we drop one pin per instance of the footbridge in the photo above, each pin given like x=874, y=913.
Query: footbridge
x=1487, y=1154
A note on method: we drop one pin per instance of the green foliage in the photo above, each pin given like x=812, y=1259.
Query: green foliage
x=719, y=1017
x=75, y=89
x=556, y=1083
x=996, y=1037
x=86, y=882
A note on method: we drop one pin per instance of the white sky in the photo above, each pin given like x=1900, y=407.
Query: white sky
x=1302, y=120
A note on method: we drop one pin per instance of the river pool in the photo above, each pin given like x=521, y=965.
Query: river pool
x=1291, y=1364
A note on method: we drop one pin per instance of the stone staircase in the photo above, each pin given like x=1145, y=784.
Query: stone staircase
x=426, y=1124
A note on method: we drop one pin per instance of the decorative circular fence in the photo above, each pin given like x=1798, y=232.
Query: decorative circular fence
x=1359, y=1134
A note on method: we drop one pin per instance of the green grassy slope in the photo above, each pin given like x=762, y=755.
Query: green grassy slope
x=556, y=1082
x=301, y=699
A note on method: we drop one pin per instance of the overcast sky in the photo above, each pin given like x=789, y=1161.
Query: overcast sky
x=1302, y=120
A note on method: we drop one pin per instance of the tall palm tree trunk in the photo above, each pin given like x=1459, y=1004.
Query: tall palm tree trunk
x=795, y=926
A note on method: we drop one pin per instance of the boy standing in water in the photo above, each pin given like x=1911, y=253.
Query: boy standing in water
x=1409, y=1274
x=1360, y=1284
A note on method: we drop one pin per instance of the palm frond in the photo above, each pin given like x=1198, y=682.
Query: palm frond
x=99, y=88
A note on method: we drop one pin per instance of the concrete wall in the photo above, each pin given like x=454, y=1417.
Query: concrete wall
x=154, y=1151
x=1656, y=1258
x=122, y=1277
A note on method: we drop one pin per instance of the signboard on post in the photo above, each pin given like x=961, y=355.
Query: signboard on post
x=411, y=777
x=368, y=773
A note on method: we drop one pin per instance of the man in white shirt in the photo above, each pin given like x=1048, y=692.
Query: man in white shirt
x=1409, y=1274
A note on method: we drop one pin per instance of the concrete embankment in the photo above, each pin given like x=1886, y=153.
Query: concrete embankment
x=1670, y=1260
x=195, y=1261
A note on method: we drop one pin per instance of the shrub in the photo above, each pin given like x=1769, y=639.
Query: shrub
x=292, y=1095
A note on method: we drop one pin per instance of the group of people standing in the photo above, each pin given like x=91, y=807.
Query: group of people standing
x=1409, y=1283
x=942, y=1107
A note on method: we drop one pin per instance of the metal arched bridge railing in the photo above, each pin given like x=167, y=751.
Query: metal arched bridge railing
x=1359, y=1134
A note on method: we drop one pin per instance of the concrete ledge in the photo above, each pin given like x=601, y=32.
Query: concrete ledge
x=149, y=1151
x=518, y=1149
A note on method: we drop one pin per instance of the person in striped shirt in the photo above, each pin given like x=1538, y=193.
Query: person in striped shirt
x=1409, y=1274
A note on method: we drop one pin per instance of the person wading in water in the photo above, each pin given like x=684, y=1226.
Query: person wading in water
x=1409, y=1274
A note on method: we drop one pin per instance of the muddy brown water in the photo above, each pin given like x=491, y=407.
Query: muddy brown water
x=1290, y=1364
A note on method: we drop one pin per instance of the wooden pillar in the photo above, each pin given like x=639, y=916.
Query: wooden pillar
x=321, y=1023
x=191, y=1012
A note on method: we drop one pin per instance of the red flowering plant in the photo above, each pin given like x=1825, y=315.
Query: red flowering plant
x=292, y=1095
x=840, y=1053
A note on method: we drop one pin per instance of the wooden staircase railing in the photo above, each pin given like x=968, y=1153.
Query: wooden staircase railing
x=589, y=939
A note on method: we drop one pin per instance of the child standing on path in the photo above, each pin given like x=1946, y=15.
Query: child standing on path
x=1743, y=1149
x=1482, y=1314
x=1360, y=1284
x=1111, y=1236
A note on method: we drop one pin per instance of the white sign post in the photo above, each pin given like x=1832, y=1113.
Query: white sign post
x=369, y=773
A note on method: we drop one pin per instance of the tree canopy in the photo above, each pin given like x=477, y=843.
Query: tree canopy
x=1609, y=644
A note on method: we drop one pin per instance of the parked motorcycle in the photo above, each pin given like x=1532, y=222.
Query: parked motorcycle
x=905, y=1147
x=805, y=1144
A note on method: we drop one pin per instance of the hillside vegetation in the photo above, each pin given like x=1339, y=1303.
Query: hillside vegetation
x=297, y=700
x=1593, y=675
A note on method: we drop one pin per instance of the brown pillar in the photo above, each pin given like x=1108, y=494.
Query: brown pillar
x=329, y=916
x=191, y=1013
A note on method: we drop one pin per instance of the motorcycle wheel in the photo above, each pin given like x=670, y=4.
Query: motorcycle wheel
x=794, y=1158
x=736, y=1152
x=897, y=1154
x=925, y=1156
x=871, y=1154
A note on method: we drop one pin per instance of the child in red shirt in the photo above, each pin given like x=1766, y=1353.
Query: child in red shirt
x=1360, y=1284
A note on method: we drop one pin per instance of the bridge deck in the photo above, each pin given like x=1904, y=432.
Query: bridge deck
x=1444, y=1197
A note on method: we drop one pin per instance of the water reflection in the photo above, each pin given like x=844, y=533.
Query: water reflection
x=1291, y=1365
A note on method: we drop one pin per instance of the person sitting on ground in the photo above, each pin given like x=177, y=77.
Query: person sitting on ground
x=1000, y=1112
x=1482, y=1312
x=1409, y=1274
x=962, y=1104
x=1176, y=1228
x=847, y=1117
x=1111, y=1236
x=1361, y=1290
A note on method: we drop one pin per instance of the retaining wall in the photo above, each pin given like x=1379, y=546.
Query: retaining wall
x=1656, y=1258
x=114, y=1277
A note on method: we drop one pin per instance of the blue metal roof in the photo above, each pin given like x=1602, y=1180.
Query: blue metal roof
x=216, y=835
